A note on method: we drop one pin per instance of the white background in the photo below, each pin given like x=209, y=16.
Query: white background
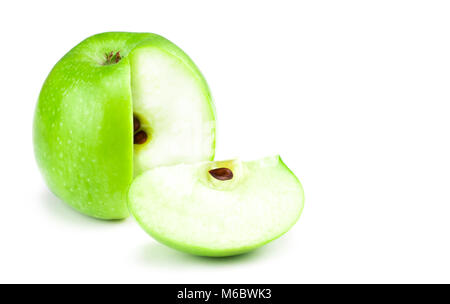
x=354, y=95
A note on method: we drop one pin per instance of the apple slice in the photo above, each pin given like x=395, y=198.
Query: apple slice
x=217, y=208
x=116, y=105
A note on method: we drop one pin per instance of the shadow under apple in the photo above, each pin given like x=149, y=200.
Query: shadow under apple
x=156, y=254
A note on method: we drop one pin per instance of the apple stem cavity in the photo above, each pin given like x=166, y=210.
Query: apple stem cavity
x=140, y=138
x=112, y=58
x=222, y=174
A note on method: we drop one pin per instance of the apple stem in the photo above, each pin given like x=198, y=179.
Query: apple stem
x=112, y=58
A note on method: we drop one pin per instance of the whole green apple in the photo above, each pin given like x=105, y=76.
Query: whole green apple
x=114, y=106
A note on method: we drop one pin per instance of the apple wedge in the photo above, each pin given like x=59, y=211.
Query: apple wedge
x=114, y=106
x=219, y=208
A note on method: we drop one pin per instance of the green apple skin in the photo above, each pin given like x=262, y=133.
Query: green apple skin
x=83, y=124
x=186, y=209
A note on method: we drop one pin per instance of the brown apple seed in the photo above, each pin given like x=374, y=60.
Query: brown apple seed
x=140, y=138
x=222, y=174
x=136, y=124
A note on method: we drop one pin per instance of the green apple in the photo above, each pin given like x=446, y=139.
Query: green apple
x=217, y=208
x=114, y=106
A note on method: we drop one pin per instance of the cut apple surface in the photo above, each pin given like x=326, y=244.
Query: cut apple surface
x=217, y=208
x=173, y=106
x=116, y=105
